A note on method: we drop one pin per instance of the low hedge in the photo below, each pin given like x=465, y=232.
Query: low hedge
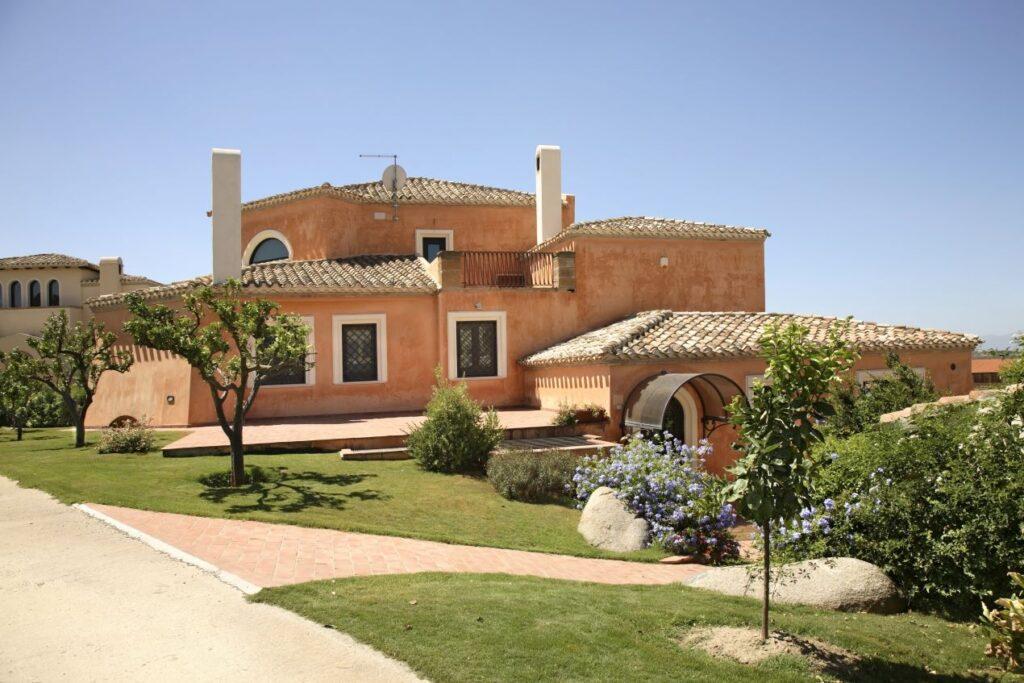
x=531, y=477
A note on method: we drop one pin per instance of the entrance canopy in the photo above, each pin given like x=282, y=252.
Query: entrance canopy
x=646, y=406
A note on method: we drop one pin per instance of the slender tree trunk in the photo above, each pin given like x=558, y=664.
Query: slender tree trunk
x=238, y=460
x=19, y=433
x=767, y=580
x=79, y=431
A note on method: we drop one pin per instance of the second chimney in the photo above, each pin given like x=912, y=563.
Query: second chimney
x=549, y=192
x=110, y=275
x=227, y=214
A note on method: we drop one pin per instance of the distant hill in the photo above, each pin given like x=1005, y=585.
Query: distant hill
x=998, y=341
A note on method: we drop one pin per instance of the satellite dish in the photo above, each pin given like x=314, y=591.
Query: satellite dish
x=394, y=178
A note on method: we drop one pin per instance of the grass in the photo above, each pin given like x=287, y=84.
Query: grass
x=472, y=627
x=318, y=490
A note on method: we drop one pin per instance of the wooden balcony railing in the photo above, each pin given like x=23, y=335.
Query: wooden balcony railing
x=507, y=269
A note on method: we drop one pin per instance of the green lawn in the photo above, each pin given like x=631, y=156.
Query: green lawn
x=472, y=627
x=321, y=490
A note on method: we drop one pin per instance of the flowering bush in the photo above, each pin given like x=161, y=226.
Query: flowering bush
x=1005, y=627
x=132, y=437
x=937, y=504
x=663, y=481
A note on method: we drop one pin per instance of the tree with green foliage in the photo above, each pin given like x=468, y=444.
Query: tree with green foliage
x=857, y=408
x=779, y=426
x=69, y=360
x=1013, y=372
x=16, y=389
x=233, y=343
x=457, y=435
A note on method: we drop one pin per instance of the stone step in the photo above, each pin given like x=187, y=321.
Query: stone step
x=580, y=445
x=399, y=453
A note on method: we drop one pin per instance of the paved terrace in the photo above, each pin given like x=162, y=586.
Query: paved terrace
x=279, y=554
x=344, y=431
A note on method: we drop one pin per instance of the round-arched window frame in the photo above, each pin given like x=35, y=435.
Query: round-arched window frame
x=53, y=293
x=35, y=294
x=268, y=245
x=14, y=298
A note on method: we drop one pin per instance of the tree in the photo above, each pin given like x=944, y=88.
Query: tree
x=857, y=408
x=1013, y=372
x=233, y=344
x=778, y=427
x=15, y=393
x=70, y=359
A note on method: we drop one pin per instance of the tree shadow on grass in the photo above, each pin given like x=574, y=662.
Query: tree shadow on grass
x=280, y=490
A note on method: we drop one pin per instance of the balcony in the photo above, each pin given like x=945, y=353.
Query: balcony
x=505, y=269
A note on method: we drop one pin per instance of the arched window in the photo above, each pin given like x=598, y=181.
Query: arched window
x=53, y=293
x=35, y=294
x=15, y=295
x=270, y=249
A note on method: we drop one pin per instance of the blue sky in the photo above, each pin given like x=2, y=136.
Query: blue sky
x=881, y=143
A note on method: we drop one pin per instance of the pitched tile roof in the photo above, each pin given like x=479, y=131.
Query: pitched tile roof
x=358, y=275
x=646, y=226
x=654, y=335
x=44, y=261
x=126, y=279
x=416, y=191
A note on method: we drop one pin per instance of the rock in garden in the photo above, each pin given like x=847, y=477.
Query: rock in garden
x=608, y=524
x=840, y=583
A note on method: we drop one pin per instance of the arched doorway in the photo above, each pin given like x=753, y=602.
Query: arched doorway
x=689, y=406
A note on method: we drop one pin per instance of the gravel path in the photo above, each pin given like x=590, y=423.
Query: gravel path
x=81, y=601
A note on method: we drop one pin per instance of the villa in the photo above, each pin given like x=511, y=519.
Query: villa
x=655, y=320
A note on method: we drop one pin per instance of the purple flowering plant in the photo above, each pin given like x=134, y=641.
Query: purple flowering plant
x=663, y=481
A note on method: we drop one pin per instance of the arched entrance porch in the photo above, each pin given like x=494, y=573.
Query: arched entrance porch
x=689, y=405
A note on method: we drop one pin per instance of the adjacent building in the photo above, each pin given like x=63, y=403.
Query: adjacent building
x=34, y=287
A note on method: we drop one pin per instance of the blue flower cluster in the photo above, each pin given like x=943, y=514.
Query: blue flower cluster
x=664, y=481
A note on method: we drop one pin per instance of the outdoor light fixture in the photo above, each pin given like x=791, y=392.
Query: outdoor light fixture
x=663, y=262
x=170, y=399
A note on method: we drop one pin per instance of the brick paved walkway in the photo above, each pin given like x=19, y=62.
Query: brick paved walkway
x=278, y=554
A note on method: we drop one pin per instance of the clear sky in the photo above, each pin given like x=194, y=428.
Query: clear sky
x=882, y=143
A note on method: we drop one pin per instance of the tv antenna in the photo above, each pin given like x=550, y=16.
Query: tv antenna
x=394, y=178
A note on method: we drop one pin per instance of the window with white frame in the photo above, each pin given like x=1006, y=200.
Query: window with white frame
x=360, y=348
x=477, y=345
x=753, y=380
x=430, y=243
x=298, y=375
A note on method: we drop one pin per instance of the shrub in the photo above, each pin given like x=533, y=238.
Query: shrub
x=531, y=477
x=569, y=415
x=132, y=437
x=938, y=504
x=457, y=435
x=1005, y=628
x=566, y=416
x=663, y=481
x=858, y=408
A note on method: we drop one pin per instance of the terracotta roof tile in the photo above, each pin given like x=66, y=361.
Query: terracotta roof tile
x=416, y=191
x=358, y=275
x=654, y=335
x=126, y=279
x=44, y=261
x=648, y=227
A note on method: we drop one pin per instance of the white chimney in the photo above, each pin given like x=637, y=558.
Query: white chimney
x=110, y=275
x=549, y=191
x=227, y=214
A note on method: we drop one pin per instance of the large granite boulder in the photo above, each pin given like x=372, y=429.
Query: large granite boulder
x=607, y=523
x=840, y=583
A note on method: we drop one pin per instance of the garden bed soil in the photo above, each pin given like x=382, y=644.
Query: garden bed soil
x=744, y=645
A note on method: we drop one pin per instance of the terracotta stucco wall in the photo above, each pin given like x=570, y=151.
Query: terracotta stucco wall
x=325, y=227
x=411, y=339
x=617, y=277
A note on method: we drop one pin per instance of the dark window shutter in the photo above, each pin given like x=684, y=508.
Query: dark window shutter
x=477, y=348
x=359, y=353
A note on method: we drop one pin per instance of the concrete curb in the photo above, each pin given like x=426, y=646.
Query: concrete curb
x=175, y=553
